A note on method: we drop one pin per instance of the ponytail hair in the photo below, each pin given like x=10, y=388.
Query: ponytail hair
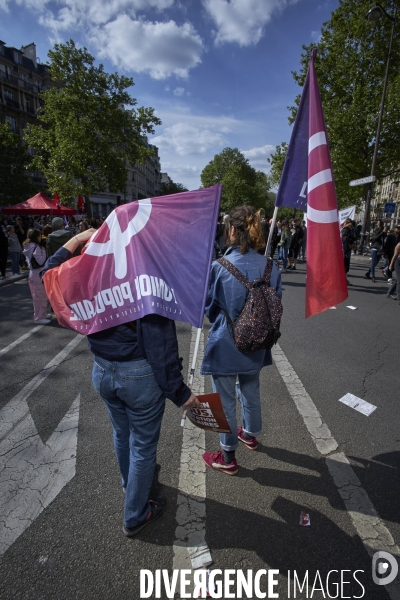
x=32, y=237
x=247, y=225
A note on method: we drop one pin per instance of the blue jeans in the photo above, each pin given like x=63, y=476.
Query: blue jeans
x=135, y=405
x=374, y=261
x=15, y=262
x=248, y=394
x=285, y=251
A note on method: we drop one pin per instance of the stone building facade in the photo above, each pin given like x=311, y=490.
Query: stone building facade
x=22, y=78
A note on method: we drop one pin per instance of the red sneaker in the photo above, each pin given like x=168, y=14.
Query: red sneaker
x=251, y=444
x=216, y=461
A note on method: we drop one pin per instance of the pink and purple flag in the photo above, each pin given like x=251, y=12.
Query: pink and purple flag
x=149, y=256
x=307, y=183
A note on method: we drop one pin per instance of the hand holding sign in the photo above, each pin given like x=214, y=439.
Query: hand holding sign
x=210, y=414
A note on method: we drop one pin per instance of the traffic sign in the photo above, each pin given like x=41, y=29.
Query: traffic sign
x=390, y=207
x=362, y=181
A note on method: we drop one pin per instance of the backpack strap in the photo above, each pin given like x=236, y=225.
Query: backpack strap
x=235, y=272
x=268, y=270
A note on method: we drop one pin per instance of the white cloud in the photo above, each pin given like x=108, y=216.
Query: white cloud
x=257, y=157
x=161, y=49
x=120, y=32
x=316, y=36
x=179, y=91
x=186, y=139
x=242, y=21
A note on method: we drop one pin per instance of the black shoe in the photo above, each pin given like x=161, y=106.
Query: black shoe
x=391, y=296
x=368, y=275
x=294, y=268
x=289, y=268
x=157, y=507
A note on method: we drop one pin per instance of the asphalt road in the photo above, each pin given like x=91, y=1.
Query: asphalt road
x=75, y=549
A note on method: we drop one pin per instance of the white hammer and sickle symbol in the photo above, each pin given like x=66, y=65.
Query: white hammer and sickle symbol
x=119, y=240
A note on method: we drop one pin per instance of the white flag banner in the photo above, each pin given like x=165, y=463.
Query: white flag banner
x=347, y=213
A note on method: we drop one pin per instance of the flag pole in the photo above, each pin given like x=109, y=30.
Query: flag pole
x=271, y=230
x=192, y=369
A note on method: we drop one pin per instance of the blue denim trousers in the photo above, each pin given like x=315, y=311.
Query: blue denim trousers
x=14, y=262
x=375, y=258
x=247, y=391
x=135, y=404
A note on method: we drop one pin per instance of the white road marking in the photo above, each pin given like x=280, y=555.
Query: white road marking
x=370, y=528
x=358, y=404
x=190, y=548
x=32, y=474
x=352, y=307
x=19, y=340
x=17, y=409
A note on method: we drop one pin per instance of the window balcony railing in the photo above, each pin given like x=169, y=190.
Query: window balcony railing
x=11, y=103
x=9, y=78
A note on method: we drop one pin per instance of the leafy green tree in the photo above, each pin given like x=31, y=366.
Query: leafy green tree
x=15, y=186
x=277, y=160
x=241, y=183
x=350, y=65
x=170, y=187
x=87, y=137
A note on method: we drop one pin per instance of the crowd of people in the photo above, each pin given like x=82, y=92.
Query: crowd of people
x=137, y=364
x=29, y=241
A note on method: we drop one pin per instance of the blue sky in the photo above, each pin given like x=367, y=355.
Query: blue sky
x=217, y=72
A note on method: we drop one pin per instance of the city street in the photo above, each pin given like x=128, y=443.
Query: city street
x=61, y=499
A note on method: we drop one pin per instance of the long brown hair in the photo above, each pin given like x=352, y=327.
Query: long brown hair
x=247, y=225
x=32, y=237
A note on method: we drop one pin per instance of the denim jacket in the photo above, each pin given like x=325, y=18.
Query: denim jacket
x=225, y=293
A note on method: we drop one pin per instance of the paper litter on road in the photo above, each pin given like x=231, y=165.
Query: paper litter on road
x=358, y=404
x=304, y=519
x=352, y=307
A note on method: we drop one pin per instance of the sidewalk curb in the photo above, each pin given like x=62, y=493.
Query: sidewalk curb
x=12, y=279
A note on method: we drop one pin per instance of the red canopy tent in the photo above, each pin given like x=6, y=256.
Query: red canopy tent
x=38, y=205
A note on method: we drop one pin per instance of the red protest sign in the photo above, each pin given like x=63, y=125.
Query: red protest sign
x=210, y=415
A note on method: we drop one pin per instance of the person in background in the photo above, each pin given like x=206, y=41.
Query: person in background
x=222, y=359
x=46, y=231
x=3, y=249
x=72, y=227
x=377, y=239
x=14, y=249
x=36, y=224
x=303, y=245
x=58, y=237
x=83, y=226
x=284, y=243
x=295, y=244
x=392, y=239
x=348, y=243
x=395, y=266
x=36, y=257
x=20, y=231
x=136, y=367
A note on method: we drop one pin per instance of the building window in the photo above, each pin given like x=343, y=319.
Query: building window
x=9, y=95
x=13, y=124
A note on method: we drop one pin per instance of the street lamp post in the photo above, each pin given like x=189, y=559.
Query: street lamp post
x=374, y=14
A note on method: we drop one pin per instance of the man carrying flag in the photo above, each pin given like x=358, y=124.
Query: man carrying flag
x=117, y=293
x=307, y=183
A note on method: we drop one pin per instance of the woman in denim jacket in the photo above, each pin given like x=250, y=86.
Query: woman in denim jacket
x=222, y=360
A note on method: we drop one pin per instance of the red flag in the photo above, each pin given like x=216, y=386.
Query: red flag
x=326, y=278
x=56, y=201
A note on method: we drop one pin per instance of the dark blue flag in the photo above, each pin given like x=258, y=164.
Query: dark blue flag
x=293, y=186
